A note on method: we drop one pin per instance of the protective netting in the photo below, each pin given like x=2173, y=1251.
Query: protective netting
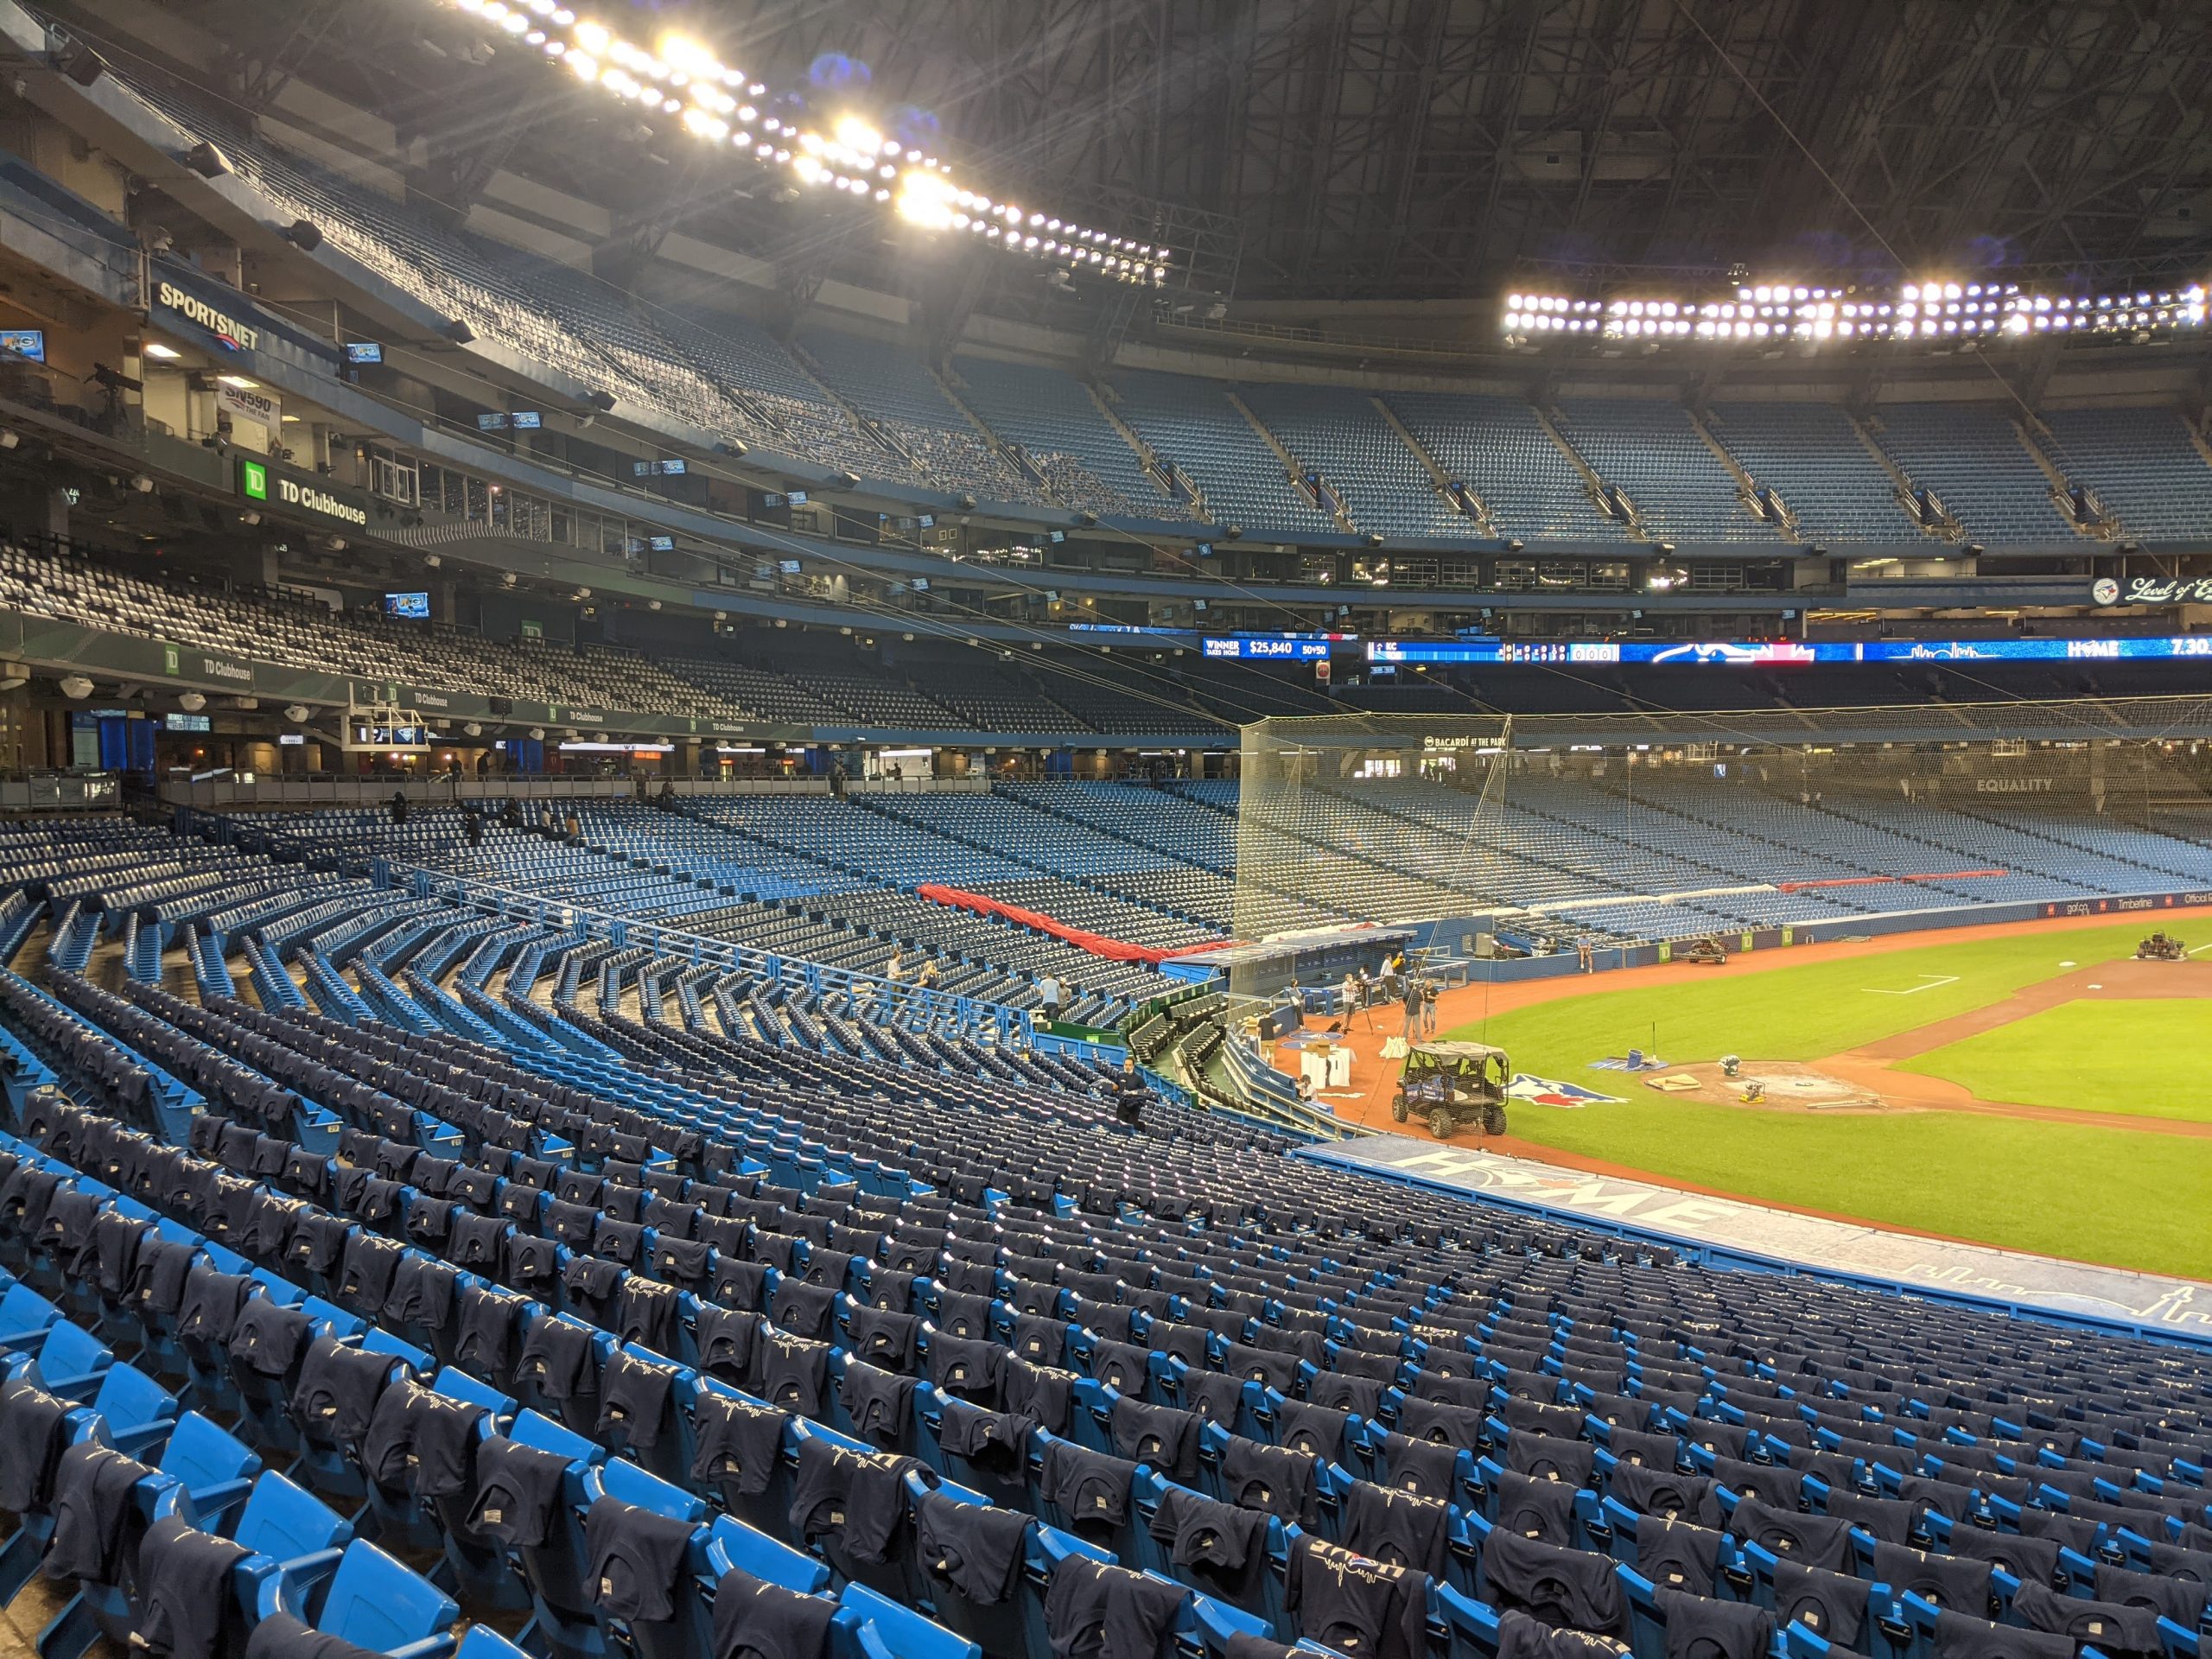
x=1369, y=817
x=1936, y=718
x=1633, y=826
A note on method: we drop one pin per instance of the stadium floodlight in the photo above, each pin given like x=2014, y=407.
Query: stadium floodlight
x=1964, y=314
x=682, y=78
x=857, y=138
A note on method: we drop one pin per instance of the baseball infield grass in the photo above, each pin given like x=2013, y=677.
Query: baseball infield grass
x=2145, y=1058
x=2088, y=1192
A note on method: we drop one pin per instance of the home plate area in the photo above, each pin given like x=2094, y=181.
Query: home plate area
x=1772, y=1085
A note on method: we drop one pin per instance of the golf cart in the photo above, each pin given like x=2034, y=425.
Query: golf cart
x=2161, y=947
x=1704, y=951
x=1450, y=1083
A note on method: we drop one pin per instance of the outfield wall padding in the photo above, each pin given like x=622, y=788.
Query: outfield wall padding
x=1828, y=930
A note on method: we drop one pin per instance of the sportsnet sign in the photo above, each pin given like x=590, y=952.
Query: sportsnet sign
x=229, y=331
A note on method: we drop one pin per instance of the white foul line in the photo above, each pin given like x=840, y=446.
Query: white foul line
x=1931, y=982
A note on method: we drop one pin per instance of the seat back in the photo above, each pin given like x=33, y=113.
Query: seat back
x=23, y=1309
x=340, y=1323
x=623, y=1480
x=901, y=1632
x=201, y=1454
x=534, y=1429
x=378, y=1340
x=460, y=1385
x=129, y=1399
x=482, y=1642
x=375, y=1603
x=282, y=1290
x=282, y=1521
x=71, y=1353
x=731, y=1543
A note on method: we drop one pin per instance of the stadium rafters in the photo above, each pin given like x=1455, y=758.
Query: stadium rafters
x=1420, y=149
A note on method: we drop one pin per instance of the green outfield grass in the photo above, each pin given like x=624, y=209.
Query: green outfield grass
x=1793, y=1013
x=2095, y=1193
x=2146, y=1058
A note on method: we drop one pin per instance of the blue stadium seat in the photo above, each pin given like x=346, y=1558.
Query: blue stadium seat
x=373, y=1602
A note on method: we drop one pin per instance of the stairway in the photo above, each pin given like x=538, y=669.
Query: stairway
x=1463, y=498
x=1602, y=495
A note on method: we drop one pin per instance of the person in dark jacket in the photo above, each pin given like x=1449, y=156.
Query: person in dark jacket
x=399, y=806
x=1130, y=1093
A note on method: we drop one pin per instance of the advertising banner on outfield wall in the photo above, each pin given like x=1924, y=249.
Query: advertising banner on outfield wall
x=1768, y=653
x=2124, y=904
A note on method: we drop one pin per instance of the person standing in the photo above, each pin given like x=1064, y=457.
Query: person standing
x=1428, y=1009
x=1048, y=996
x=1414, y=1006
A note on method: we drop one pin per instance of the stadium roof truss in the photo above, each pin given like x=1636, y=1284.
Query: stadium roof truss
x=1421, y=148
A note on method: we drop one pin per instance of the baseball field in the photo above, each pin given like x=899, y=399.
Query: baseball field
x=2029, y=1087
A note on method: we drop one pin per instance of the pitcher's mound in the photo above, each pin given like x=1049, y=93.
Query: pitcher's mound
x=1790, y=1087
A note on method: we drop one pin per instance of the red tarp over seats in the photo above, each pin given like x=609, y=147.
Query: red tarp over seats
x=1098, y=943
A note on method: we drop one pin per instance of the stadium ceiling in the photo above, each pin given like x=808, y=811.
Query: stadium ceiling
x=1397, y=149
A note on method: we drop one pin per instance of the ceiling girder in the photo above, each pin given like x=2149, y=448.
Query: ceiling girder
x=1360, y=149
